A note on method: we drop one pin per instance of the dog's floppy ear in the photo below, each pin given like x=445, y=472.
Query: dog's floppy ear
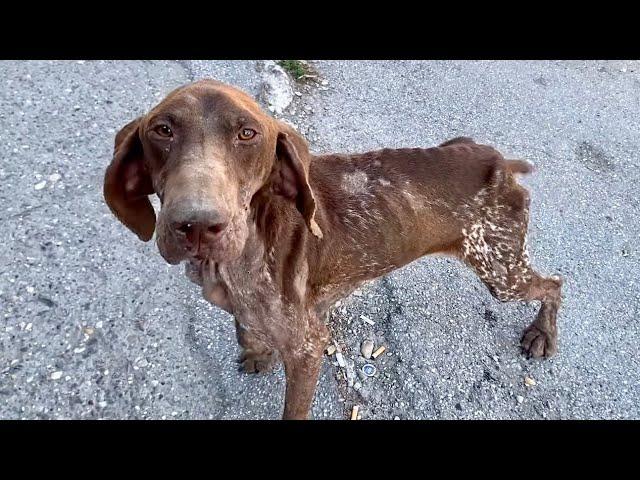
x=127, y=183
x=291, y=175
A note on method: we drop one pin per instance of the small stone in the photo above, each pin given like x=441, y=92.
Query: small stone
x=142, y=362
x=325, y=82
x=41, y=185
x=56, y=375
x=340, y=360
x=99, y=324
x=54, y=177
x=520, y=398
x=88, y=330
x=102, y=404
x=530, y=382
x=367, y=349
x=30, y=290
x=331, y=349
x=78, y=350
x=396, y=418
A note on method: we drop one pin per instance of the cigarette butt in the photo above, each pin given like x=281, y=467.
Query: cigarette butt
x=354, y=412
x=331, y=349
x=378, y=352
x=366, y=319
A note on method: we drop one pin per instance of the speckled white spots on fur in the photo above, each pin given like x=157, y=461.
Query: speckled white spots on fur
x=495, y=245
x=355, y=183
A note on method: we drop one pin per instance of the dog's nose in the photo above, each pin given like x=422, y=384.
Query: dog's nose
x=200, y=227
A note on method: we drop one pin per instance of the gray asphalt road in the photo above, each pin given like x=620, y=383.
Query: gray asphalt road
x=95, y=325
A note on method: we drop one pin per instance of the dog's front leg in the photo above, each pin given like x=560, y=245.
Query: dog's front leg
x=302, y=368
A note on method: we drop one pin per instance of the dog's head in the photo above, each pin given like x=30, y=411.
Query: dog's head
x=205, y=150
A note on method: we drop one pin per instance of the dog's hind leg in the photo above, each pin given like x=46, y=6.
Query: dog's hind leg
x=495, y=245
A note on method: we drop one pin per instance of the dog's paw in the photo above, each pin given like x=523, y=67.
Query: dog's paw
x=254, y=362
x=537, y=343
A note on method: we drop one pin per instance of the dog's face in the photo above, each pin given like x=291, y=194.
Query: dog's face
x=206, y=150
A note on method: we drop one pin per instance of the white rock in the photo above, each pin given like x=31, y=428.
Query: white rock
x=340, y=359
x=520, y=398
x=40, y=185
x=54, y=177
x=102, y=404
x=99, y=324
x=277, y=91
x=56, y=375
x=367, y=349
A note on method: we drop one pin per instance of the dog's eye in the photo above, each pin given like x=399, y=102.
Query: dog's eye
x=163, y=131
x=246, y=134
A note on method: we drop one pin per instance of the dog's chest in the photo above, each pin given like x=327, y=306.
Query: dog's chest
x=245, y=288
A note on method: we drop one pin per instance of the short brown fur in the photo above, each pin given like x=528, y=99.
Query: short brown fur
x=295, y=232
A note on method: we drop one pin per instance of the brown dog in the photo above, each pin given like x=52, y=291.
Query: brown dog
x=275, y=235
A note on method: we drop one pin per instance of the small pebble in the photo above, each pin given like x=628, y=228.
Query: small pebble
x=331, y=349
x=340, y=360
x=530, y=382
x=56, y=375
x=367, y=349
x=41, y=185
x=54, y=177
x=520, y=398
